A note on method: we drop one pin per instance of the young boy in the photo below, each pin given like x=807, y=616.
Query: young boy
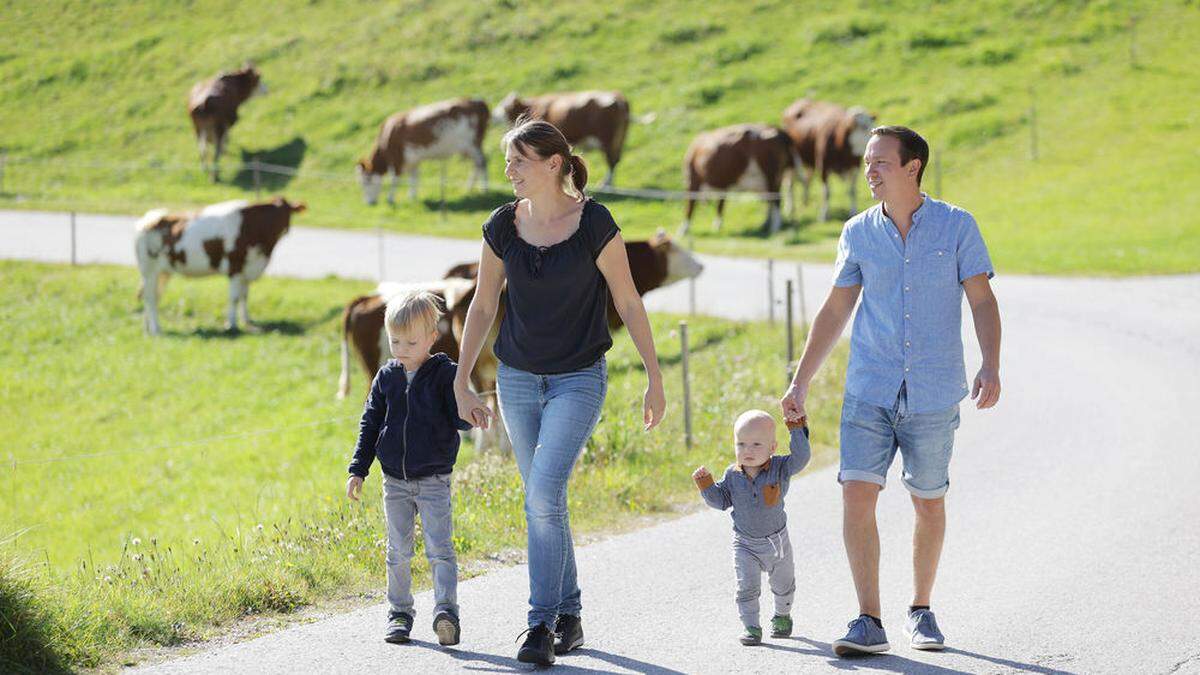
x=755, y=486
x=410, y=424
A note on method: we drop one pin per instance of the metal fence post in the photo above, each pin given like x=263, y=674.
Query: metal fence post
x=791, y=343
x=771, y=290
x=803, y=303
x=687, y=391
x=257, y=179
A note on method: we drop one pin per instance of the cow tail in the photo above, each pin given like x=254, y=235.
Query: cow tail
x=344, y=378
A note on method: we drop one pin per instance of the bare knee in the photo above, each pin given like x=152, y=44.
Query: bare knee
x=859, y=498
x=930, y=508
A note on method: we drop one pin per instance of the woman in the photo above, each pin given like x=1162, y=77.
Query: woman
x=561, y=254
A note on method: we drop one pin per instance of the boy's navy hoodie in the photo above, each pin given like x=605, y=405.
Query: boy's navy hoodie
x=411, y=427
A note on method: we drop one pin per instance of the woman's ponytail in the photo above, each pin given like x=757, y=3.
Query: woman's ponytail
x=578, y=173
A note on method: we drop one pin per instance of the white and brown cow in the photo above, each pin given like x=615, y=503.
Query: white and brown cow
x=232, y=238
x=653, y=264
x=750, y=157
x=363, y=330
x=213, y=106
x=829, y=139
x=438, y=130
x=588, y=119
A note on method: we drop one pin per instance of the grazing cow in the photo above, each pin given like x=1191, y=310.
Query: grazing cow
x=653, y=264
x=751, y=157
x=589, y=120
x=437, y=130
x=362, y=324
x=828, y=139
x=232, y=238
x=213, y=106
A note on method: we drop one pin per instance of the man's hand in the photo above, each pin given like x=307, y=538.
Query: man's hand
x=986, y=391
x=702, y=478
x=793, y=404
x=354, y=487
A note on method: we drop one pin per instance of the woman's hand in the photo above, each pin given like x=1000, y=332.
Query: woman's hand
x=472, y=409
x=654, y=404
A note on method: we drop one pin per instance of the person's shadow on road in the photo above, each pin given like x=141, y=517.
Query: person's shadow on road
x=899, y=664
x=492, y=663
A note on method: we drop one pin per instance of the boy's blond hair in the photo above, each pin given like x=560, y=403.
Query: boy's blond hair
x=418, y=310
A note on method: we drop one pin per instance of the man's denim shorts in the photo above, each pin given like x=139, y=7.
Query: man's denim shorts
x=870, y=436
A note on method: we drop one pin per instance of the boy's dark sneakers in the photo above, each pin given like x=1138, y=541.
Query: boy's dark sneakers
x=781, y=625
x=398, y=628
x=752, y=636
x=568, y=634
x=446, y=626
x=539, y=646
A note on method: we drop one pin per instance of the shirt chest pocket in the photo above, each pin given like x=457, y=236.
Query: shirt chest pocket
x=942, y=268
x=770, y=494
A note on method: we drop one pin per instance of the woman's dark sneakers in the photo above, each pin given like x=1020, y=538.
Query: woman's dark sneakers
x=568, y=634
x=539, y=646
x=447, y=629
x=398, y=628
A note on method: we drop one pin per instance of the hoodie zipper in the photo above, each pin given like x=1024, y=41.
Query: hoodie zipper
x=404, y=428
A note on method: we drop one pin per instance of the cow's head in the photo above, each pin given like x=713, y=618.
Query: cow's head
x=860, y=123
x=509, y=109
x=288, y=208
x=253, y=80
x=371, y=182
x=681, y=264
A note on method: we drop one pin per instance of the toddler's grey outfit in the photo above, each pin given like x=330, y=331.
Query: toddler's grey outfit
x=760, y=537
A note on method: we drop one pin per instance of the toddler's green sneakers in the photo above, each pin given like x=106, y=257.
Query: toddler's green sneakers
x=781, y=625
x=752, y=636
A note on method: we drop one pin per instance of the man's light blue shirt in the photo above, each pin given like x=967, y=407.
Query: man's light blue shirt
x=909, y=325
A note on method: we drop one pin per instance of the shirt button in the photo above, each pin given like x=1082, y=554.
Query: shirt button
x=907, y=343
x=906, y=288
x=906, y=316
x=906, y=369
x=906, y=261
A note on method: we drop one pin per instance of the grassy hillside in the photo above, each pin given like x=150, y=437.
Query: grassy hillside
x=1108, y=87
x=152, y=489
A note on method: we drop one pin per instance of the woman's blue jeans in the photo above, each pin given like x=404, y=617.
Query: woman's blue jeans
x=549, y=419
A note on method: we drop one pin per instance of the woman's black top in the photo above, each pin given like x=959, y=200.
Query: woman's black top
x=556, y=311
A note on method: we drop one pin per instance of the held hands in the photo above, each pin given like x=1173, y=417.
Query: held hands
x=654, y=404
x=986, y=391
x=472, y=409
x=701, y=477
x=793, y=404
x=354, y=487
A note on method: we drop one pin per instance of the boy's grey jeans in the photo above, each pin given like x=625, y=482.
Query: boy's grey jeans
x=751, y=557
x=402, y=501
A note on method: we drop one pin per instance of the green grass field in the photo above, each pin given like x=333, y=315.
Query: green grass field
x=154, y=489
x=1108, y=87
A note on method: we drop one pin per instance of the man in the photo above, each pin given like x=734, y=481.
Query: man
x=912, y=257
